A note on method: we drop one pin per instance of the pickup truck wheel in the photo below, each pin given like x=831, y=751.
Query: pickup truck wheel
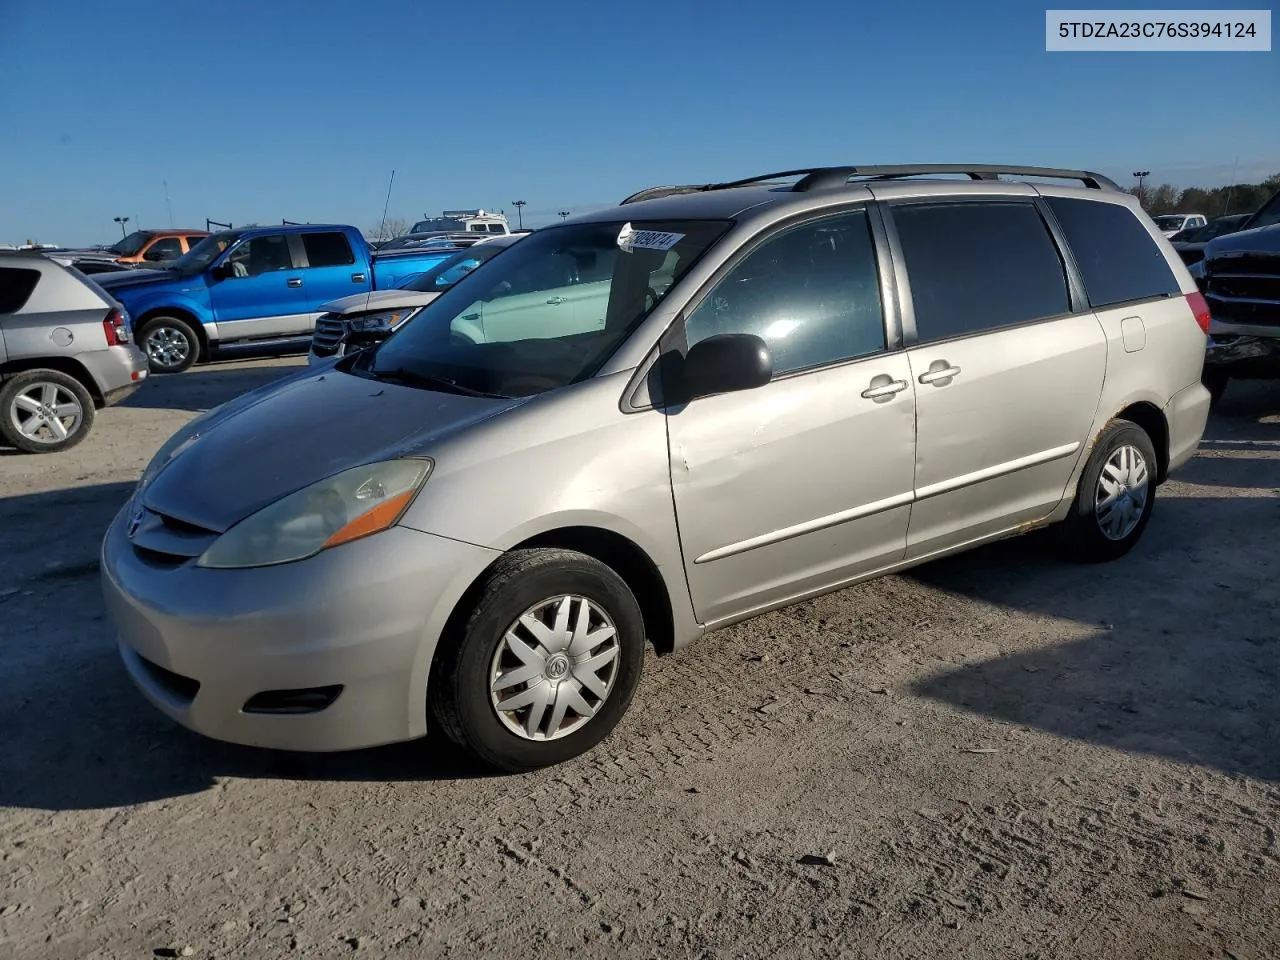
x=44, y=411
x=170, y=344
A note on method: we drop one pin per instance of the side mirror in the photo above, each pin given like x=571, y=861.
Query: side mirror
x=364, y=331
x=725, y=363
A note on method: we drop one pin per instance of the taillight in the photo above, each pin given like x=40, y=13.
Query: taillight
x=114, y=327
x=1200, y=307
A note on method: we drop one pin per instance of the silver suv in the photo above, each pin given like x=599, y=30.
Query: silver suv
x=65, y=352
x=650, y=422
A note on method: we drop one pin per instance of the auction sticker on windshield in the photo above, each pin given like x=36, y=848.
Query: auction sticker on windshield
x=630, y=239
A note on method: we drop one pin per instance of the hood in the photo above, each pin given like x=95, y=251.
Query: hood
x=133, y=278
x=290, y=434
x=1264, y=240
x=378, y=300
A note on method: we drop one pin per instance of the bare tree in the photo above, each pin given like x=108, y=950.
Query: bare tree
x=394, y=227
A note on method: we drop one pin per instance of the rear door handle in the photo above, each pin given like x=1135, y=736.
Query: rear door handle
x=357, y=278
x=883, y=387
x=939, y=372
x=295, y=281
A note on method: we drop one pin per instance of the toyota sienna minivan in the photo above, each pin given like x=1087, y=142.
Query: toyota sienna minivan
x=650, y=422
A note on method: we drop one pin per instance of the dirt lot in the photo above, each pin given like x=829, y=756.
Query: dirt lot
x=999, y=755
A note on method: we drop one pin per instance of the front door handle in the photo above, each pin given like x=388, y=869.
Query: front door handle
x=940, y=373
x=554, y=301
x=295, y=281
x=883, y=387
x=357, y=278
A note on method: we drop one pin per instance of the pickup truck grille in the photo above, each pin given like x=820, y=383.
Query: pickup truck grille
x=328, y=335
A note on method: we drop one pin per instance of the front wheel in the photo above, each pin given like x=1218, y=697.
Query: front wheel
x=545, y=665
x=171, y=344
x=1115, y=496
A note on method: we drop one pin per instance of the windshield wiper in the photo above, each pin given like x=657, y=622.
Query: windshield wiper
x=416, y=378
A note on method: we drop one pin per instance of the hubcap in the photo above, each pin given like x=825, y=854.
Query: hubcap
x=554, y=668
x=167, y=347
x=1123, y=488
x=46, y=413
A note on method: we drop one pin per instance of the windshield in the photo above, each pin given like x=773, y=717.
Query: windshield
x=1268, y=216
x=130, y=245
x=547, y=314
x=448, y=272
x=438, y=225
x=198, y=258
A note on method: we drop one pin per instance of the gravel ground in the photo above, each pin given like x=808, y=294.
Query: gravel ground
x=997, y=755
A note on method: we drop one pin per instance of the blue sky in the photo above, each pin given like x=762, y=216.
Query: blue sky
x=300, y=109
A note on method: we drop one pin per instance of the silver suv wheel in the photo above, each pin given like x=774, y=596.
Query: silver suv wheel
x=554, y=668
x=45, y=413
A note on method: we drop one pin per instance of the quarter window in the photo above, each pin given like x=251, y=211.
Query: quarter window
x=16, y=285
x=812, y=293
x=975, y=267
x=1118, y=259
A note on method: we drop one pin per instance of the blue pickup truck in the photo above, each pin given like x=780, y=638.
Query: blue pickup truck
x=255, y=290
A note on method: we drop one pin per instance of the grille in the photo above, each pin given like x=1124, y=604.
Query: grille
x=328, y=335
x=163, y=540
x=1243, y=287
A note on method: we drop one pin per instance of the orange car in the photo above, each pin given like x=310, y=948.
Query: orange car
x=155, y=246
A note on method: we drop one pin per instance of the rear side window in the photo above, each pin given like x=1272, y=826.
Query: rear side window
x=1118, y=259
x=327, y=249
x=975, y=267
x=16, y=285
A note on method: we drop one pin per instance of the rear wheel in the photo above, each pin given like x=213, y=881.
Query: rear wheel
x=1115, y=496
x=171, y=344
x=545, y=665
x=44, y=411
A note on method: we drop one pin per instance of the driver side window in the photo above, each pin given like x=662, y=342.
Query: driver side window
x=261, y=255
x=811, y=292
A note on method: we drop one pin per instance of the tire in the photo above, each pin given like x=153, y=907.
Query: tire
x=534, y=584
x=171, y=345
x=44, y=411
x=1086, y=533
x=1215, y=381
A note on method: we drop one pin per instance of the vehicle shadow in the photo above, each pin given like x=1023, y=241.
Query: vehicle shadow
x=74, y=733
x=1180, y=657
x=208, y=385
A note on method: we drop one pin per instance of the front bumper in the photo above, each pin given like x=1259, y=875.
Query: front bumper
x=117, y=371
x=364, y=616
x=1243, y=354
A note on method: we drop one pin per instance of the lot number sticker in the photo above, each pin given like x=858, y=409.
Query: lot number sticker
x=630, y=239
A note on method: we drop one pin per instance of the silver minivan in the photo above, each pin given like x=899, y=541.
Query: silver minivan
x=650, y=422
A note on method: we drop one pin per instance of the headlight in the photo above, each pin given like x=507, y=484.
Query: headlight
x=341, y=508
x=387, y=320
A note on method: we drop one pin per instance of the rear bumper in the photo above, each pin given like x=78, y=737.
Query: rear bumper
x=1186, y=414
x=1243, y=354
x=117, y=371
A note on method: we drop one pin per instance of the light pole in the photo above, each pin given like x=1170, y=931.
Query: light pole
x=122, y=221
x=564, y=214
x=1141, y=175
x=519, y=205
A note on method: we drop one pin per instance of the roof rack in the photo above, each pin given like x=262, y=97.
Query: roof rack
x=823, y=178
